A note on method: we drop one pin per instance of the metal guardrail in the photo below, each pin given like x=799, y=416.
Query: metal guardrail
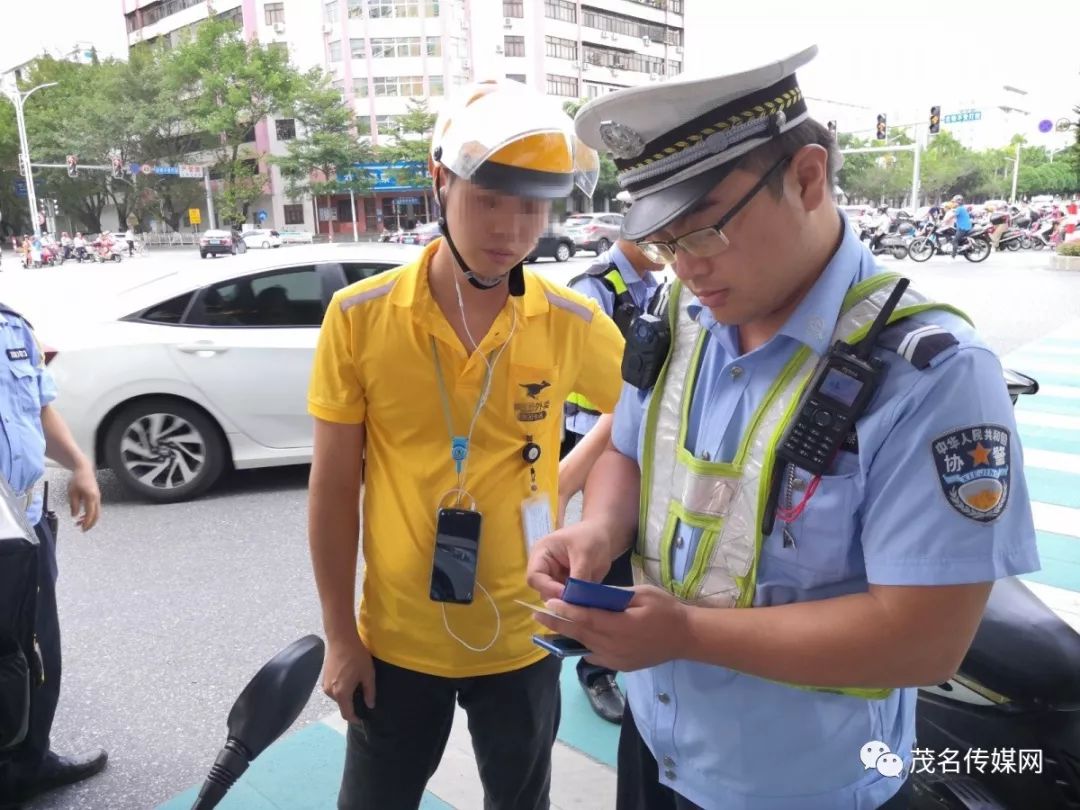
x=174, y=239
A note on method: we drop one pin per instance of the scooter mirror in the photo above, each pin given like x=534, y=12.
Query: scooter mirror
x=1019, y=384
x=269, y=704
x=274, y=698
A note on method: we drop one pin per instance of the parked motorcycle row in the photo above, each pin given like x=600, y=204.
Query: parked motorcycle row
x=1026, y=229
x=50, y=253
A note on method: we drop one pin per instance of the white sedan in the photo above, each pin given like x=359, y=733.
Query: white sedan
x=289, y=237
x=262, y=238
x=170, y=376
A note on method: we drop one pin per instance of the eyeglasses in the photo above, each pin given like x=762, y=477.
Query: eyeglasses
x=710, y=241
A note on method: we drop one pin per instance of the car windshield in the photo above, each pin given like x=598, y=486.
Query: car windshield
x=572, y=221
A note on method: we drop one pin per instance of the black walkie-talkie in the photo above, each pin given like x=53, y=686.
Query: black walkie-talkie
x=836, y=398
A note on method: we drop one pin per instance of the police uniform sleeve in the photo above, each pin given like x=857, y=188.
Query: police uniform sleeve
x=335, y=393
x=594, y=288
x=599, y=378
x=46, y=384
x=626, y=428
x=946, y=501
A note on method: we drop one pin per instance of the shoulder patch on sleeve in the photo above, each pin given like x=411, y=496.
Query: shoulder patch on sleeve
x=580, y=310
x=367, y=295
x=972, y=465
x=918, y=343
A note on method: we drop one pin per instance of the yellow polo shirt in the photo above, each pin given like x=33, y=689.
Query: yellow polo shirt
x=374, y=365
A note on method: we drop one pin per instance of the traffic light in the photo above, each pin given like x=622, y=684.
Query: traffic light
x=22, y=166
x=882, y=131
x=117, y=169
x=72, y=166
x=832, y=129
x=935, y=120
x=56, y=208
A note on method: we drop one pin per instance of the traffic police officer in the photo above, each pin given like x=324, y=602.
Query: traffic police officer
x=622, y=280
x=30, y=430
x=766, y=647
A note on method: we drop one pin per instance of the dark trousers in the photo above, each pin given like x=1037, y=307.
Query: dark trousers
x=639, y=785
x=394, y=750
x=958, y=237
x=22, y=764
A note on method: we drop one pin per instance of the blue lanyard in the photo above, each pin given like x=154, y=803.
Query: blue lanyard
x=459, y=445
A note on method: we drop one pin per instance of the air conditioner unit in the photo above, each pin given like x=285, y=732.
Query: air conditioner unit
x=508, y=22
x=585, y=66
x=603, y=35
x=279, y=28
x=653, y=77
x=678, y=49
x=465, y=66
x=614, y=72
x=327, y=28
x=498, y=49
x=646, y=41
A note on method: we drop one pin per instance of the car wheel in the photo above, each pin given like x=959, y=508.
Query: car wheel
x=164, y=450
x=265, y=245
x=202, y=254
x=562, y=252
x=602, y=246
x=234, y=250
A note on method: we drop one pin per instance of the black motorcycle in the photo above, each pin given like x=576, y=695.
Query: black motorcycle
x=1017, y=690
x=975, y=247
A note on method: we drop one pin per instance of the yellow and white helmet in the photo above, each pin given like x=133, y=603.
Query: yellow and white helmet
x=505, y=136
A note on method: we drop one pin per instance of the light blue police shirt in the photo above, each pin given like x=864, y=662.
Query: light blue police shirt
x=25, y=388
x=640, y=289
x=728, y=740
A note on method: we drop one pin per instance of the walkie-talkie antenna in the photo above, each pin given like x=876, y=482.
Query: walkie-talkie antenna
x=866, y=345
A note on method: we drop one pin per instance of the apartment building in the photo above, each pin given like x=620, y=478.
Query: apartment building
x=384, y=53
x=168, y=21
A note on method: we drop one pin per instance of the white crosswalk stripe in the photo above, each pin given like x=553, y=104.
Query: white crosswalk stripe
x=1049, y=517
x=1052, y=460
x=1042, y=419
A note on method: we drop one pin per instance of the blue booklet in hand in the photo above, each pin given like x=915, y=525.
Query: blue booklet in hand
x=596, y=595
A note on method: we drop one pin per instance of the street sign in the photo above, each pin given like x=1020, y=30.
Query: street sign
x=1046, y=125
x=20, y=188
x=962, y=116
x=146, y=168
x=194, y=216
x=191, y=171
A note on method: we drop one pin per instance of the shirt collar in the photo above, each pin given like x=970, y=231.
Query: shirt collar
x=629, y=273
x=412, y=286
x=813, y=321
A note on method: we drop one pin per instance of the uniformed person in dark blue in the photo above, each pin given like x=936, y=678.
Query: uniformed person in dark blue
x=30, y=431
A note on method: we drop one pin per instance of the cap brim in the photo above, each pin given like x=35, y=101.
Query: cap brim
x=649, y=214
x=523, y=182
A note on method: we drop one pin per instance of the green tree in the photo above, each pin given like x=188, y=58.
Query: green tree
x=410, y=144
x=322, y=161
x=12, y=208
x=225, y=85
x=1073, y=155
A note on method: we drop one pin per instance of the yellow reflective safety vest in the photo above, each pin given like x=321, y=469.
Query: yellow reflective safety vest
x=623, y=312
x=726, y=500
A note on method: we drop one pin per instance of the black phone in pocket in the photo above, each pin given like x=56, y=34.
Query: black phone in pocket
x=457, y=546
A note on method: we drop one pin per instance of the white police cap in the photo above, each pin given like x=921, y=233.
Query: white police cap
x=675, y=140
